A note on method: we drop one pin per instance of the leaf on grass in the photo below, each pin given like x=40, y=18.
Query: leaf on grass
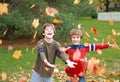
x=35, y=23
x=4, y=76
x=51, y=11
x=22, y=79
x=77, y=1
x=3, y=8
x=17, y=54
x=111, y=22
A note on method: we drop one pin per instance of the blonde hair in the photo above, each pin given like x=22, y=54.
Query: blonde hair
x=48, y=24
x=76, y=31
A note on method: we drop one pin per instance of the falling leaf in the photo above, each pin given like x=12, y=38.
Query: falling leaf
x=35, y=35
x=113, y=38
x=0, y=41
x=77, y=1
x=94, y=66
x=4, y=76
x=35, y=23
x=57, y=21
x=10, y=47
x=17, y=54
x=95, y=39
x=114, y=32
x=93, y=30
x=79, y=26
x=51, y=11
x=3, y=8
x=90, y=2
x=99, y=52
x=111, y=22
x=5, y=31
x=32, y=6
x=108, y=38
x=86, y=33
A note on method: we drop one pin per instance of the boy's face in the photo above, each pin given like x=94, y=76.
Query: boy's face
x=75, y=39
x=49, y=32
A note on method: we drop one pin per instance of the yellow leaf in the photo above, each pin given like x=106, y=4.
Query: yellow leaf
x=17, y=54
x=90, y=2
x=35, y=34
x=3, y=8
x=35, y=23
x=57, y=21
x=5, y=31
x=114, y=32
x=4, y=76
x=95, y=39
x=32, y=6
x=76, y=1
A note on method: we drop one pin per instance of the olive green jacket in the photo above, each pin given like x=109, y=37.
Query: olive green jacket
x=47, y=51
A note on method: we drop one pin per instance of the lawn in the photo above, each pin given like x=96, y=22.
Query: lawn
x=22, y=67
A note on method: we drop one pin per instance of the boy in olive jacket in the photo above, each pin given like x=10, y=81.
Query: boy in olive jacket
x=48, y=50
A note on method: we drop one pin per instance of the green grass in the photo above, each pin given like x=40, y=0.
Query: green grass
x=16, y=68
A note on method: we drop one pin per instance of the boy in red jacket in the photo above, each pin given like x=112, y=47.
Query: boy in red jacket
x=77, y=53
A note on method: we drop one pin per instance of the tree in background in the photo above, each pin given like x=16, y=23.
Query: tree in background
x=21, y=14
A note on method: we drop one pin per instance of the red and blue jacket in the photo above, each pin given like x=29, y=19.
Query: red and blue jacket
x=77, y=53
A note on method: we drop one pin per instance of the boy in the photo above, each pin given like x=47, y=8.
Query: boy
x=48, y=49
x=77, y=53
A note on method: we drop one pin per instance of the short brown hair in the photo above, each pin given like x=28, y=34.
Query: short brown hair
x=48, y=24
x=76, y=31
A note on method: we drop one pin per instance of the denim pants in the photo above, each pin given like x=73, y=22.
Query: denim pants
x=81, y=79
x=38, y=78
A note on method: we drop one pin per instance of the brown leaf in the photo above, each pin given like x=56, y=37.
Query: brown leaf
x=51, y=11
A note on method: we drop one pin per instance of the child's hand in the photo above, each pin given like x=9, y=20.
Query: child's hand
x=63, y=49
x=71, y=64
x=115, y=46
x=49, y=64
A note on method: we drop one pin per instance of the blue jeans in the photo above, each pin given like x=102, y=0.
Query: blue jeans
x=38, y=78
x=81, y=79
